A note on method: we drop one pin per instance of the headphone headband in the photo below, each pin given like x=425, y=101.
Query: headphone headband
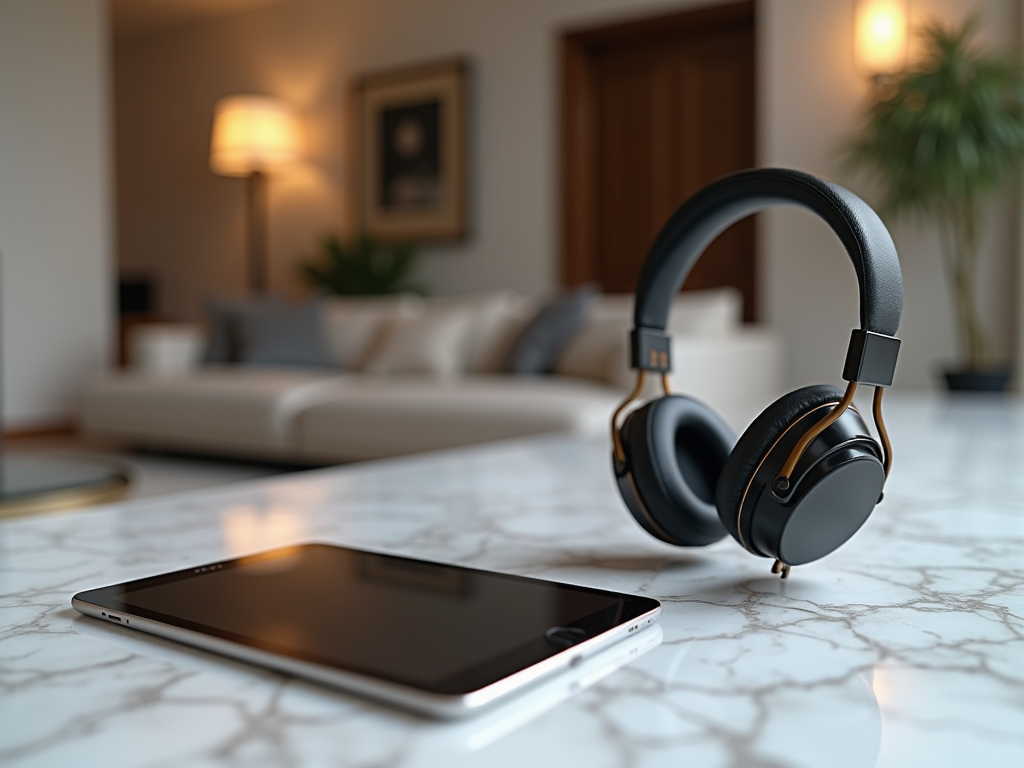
x=698, y=221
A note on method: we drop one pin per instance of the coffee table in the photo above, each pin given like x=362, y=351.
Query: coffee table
x=905, y=648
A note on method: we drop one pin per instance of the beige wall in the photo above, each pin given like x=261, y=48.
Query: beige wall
x=179, y=220
x=55, y=204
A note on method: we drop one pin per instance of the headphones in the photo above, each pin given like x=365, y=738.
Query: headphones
x=806, y=474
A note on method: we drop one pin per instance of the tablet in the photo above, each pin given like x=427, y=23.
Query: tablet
x=441, y=639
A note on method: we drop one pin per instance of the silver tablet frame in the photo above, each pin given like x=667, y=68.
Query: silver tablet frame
x=433, y=704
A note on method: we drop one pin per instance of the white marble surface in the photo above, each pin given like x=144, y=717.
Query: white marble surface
x=905, y=648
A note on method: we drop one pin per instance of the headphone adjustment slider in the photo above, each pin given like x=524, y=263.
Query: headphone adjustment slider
x=650, y=350
x=871, y=358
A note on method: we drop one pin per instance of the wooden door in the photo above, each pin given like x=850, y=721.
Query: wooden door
x=653, y=110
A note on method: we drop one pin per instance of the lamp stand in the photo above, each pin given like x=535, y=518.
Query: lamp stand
x=256, y=223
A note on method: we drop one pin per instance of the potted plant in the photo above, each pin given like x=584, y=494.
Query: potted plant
x=361, y=267
x=941, y=139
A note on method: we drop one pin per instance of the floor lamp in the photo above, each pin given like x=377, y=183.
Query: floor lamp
x=252, y=137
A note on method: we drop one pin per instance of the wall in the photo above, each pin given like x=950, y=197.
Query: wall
x=177, y=217
x=183, y=223
x=55, y=204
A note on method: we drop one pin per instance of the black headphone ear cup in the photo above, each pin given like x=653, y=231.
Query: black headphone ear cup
x=756, y=441
x=676, y=448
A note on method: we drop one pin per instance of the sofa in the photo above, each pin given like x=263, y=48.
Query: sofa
x=405, y=374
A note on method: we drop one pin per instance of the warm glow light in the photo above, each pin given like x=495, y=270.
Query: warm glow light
x=253, y=133
x=881, y=36
x=247, y=528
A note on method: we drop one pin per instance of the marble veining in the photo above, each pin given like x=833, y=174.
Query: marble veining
x=904, y=648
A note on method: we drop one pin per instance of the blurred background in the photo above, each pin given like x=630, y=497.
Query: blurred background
x=587, y=121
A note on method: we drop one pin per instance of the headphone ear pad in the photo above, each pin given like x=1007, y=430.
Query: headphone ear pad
x=757, y=440
x=677, y=448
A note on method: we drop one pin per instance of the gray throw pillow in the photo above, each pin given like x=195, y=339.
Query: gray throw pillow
x=539, y=344
x=279, y=334
x=224, y=345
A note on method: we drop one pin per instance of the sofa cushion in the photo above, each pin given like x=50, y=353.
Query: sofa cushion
x=354, y=324
x=600, y=349
x=537, y=348
x=432, y=342
x=597, y=351
x=707, y=311
x=282, y=334
x=496, y=318
x=222, y=409
x=393, y=416
x=223, y=344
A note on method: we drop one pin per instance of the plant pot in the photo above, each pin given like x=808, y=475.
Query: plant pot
x=978, y=379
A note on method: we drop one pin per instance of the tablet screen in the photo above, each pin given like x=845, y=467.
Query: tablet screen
x=440, y=628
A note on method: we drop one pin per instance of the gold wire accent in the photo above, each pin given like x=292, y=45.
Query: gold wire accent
x=617, y=449
x=780, y=567
x=883, y=434
x=743, y=499
x=817, y=429
x=664, y=383
x=641, y=379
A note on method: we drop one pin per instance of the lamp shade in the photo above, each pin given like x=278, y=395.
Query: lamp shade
x=881, y=36
x=253, y=133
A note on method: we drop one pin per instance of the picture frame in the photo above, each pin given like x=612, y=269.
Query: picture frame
x=412, y=153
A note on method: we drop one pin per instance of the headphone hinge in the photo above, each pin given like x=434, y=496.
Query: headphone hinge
x=650, y=350
x=871, y=358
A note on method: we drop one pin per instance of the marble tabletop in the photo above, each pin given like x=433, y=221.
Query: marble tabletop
x=904, y=648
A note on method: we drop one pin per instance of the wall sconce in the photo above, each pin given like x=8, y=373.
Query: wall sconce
x=880, y=37
x=254, y=136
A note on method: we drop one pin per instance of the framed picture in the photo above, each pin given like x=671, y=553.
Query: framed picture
x=412, y=149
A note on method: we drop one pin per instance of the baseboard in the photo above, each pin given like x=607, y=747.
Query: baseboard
x=60, y=429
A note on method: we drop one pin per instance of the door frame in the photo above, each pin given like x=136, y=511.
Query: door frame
x=579, y=118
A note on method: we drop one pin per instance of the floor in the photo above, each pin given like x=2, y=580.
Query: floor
x=155, y=473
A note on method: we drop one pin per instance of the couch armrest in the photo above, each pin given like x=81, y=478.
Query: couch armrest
x=165, y=349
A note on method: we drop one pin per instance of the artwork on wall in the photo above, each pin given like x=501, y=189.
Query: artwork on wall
x=412, y=149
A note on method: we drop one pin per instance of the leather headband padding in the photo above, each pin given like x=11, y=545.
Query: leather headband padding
x=711, y=210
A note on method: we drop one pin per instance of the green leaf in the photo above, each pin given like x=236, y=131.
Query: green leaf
x=361, y=267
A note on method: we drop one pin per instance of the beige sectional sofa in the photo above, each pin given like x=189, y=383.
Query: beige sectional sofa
x=409, y=374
